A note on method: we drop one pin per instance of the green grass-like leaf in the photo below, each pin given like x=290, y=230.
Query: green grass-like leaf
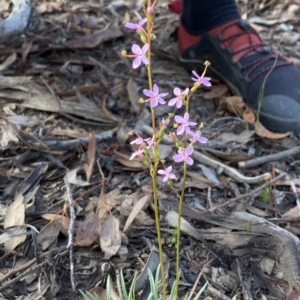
x=155, y=285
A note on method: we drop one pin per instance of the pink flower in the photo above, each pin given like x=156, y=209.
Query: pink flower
x=164, y=123
x=139, y=153
x=138, y=141
x=167, y=173
x=150, y=9
x=179, y=97
x=184, y=155
x=139, y=54
x=150, y=143
x=196, y=137
x=201, y=80
x=136, y=26
x=184, y=123
x=154, y=96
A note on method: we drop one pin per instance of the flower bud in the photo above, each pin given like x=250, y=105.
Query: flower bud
x=170, y=183
x=161, y=134
x=143, y=38
x=150, y=10
x=156, y=154
x=178, y=144
x=145, y=162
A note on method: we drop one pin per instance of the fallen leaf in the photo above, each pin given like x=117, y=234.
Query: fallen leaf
x=122, y=133
x=210, y=174
x=112, y=199
x=138, y=206
x=72, y=178
x=88, y=167
x=99, y=291
x=110, y=237
x=123, y=159
x=216, y=91
x=243, y=137
x=49, y=233
x=65, y=222
x=293, y=213
x=233, y=104
x=15, y=216
x=88, y=232
x=261, y=131
x=249, y=115
x=11, y=233
x=133, y=96
x=8, y=61
x=231, y=157
x=89, y=41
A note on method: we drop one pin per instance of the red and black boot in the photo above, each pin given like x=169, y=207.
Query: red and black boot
x=241, y=59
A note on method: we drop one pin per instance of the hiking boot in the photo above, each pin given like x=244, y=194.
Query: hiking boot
x=267, y=82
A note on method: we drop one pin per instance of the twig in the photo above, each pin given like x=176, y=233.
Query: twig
x=102, y=196
x=218, y=294
x=71, y=230
x=233, y=173
x=22, y=275
x=26, y=266
x=198, y=278
x=268, y=158
x=252, y=193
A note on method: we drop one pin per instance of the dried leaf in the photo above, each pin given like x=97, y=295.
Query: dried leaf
x=65, y=222
x=88, y=167
x=143, y=219
x=72, y=178
x=133, y=96
x=112, y=199
x=88, y=232
x=293, y=213
x=11, y=233
x=210, y=174
x=99, y=291
x=261, y=131
x=49, y=233
x=89, y=41
x=231, y=157
x=256, y=211
x=9, y=133
x=110, y=237
x=122, y=133
x=233, y=104
x=8, y=61
x=136, y=210
x=243, y=137
x=216, y=91
x=133, y=164
x=15, y=216
x=249, y=115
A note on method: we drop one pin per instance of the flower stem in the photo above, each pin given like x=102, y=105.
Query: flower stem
x=156, y=161
x=178, y=228
x=157, y=223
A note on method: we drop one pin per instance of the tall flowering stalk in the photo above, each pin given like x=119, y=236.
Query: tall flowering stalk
x=184, y=137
